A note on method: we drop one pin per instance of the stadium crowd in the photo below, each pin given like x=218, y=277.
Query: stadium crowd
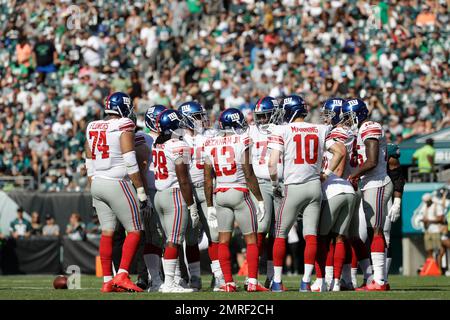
x=59, y=62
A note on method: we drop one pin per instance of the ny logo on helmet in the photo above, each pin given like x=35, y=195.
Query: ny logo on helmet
x=353, y=102
x=234, y=117
x=275, y=103
x=185, y=108
x=337, y=102
x=173, y=116
x=287, y=100
x=127, y=101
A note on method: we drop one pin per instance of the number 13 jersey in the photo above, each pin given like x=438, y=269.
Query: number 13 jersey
x=226, y=154
x=103, y=137
x=302, y=145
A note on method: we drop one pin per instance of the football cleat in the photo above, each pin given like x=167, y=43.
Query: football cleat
x=229, y=287
x=374, y=286
x=278, y=287
x=218, y=283
x=142, y=283
x=245, y=283
x=336, y=286
x=346, y=286
x=122, y=281
x=268, y=283
x=108, y=287
x=155, y=286
x=251, y=287
x=175, y=288
x=319, y=286
x=305, y=286
x=196, y=283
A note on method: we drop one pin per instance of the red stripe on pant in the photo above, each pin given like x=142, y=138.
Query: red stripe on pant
x=225, y=261
x=105, y=251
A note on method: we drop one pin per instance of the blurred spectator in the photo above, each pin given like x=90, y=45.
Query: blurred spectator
x=75, y=230
x=36, y=226
x=425, y=158
x=20, y=227
x=45, y=56
x=432, y=218
x=50, y=229
x=93, y=227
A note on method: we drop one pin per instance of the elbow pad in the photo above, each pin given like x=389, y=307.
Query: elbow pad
x=90, y=167
x=130, y=162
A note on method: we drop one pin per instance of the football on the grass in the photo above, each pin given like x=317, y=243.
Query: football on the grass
x=60, y=282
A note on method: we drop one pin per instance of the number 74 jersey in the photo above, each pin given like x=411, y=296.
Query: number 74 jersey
x=103, y=137
x=302, y=146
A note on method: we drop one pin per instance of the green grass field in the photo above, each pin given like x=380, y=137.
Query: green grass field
x=41, y=288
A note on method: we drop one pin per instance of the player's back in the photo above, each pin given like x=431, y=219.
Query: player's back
x=376, y=177
x=226, y=153
x=197, y=145
x=302, y=145
x=164, y=158
x=260, y=154
x=104, y=142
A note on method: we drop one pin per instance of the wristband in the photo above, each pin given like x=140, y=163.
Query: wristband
x=141, y=194
x=397, y=201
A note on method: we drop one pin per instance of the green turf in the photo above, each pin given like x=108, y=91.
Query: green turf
x=40, y=287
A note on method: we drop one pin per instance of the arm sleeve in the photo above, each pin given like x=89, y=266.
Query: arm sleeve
x=398, y=179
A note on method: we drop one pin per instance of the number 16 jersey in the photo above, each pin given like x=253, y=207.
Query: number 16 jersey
x=302, y=146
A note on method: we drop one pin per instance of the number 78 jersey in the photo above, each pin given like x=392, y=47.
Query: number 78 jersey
x=302, y=146
x=103, y=137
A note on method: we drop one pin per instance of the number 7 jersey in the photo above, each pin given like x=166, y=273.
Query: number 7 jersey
x=103, y=137
x=302, y=146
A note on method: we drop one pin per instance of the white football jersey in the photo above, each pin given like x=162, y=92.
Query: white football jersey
x=142, y=137
x=302, y=145
x=260, y=153
x=197, y=145
x=226, y=154
x=334, y=184
x=103, y=137
x=164, y=157
x=378, y=176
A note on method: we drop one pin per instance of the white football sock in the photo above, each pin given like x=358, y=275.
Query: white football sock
x=107, y=278
x=252, y=281
x=170, y=266
x=153, y=264
x=366, y=268
x=216, y=270
x=388, y=265
x=122, y=271
x=194, y=269
x=354, y=272
x=269, y=272
x=329, y=273
x=277, y=272
x=346, y=273
x=177, y=273
x=308, y=272
x=378, y=266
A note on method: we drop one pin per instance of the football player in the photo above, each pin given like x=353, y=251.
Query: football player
x=196, y=122
x=300, y=145
x=394, y=205
x=174, y=198
x=111, y=164
x=338, y=195
x=376, y=186
x=154, y=241
x=266, y=116
x=227, y=157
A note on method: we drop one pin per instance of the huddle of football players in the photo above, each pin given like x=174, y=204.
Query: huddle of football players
x=333, y=178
